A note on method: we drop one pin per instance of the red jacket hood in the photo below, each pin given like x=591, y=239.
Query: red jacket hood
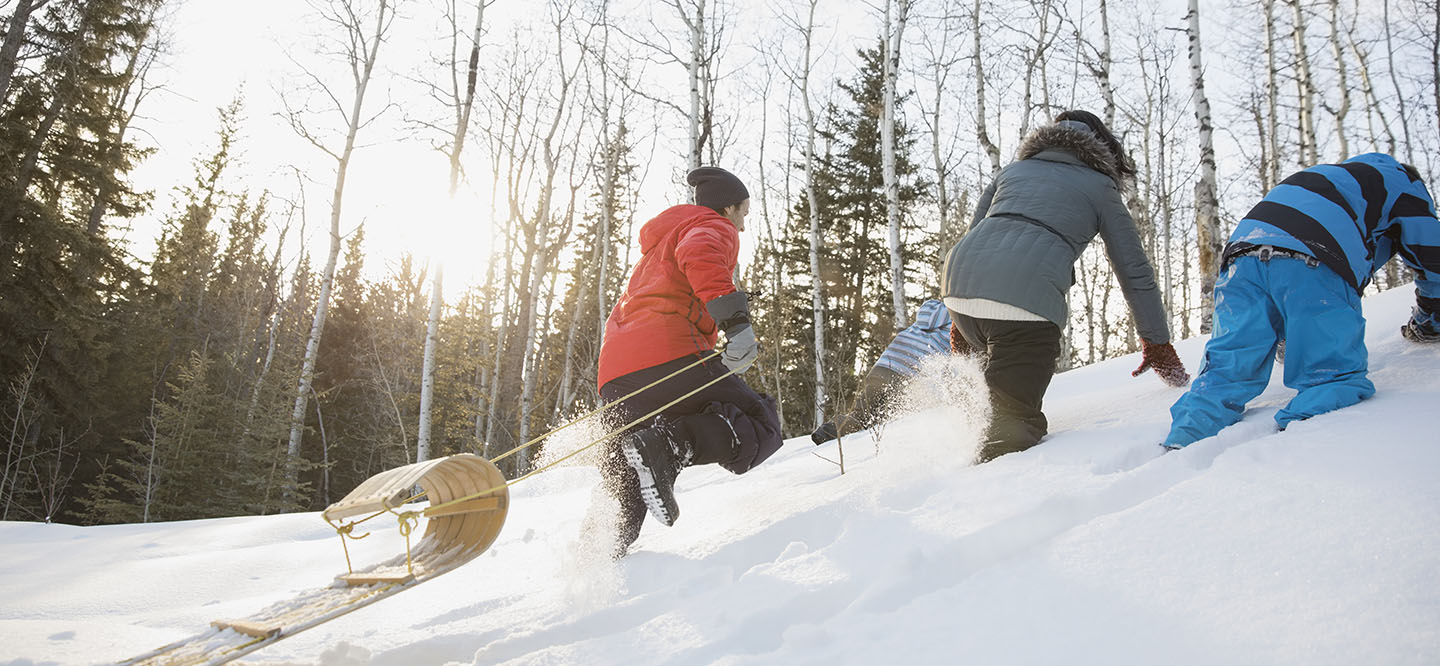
x=672, y=220
x=688, y=257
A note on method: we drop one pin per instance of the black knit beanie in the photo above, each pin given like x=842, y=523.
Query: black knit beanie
x=716, y=188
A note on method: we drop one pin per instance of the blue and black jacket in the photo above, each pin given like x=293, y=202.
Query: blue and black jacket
x=1352, y=217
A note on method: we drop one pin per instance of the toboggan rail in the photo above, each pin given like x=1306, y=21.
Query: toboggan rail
x=469, y=499
x=455, y=533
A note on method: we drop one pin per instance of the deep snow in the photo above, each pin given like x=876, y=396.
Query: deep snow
x=1318, y=545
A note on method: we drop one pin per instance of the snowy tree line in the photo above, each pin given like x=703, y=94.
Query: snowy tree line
x=242, y=369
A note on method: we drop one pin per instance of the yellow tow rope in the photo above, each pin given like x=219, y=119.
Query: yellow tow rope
x=602, y=438
x=608, y=405
x=408, y=519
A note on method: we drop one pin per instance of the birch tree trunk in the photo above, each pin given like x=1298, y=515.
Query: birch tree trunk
x=427, y=372
x=566, y=393
x=552, y=155
x=800, y=79
x=1101, y=62
x=497, y=365
x=1044, y=64
x=1342, y=109
x=1272, y=100
x=1148, y=175
x=363, y=49
x=704, y=23
x=775, y=330
x=465, y=104
x=607, y=220
x=312, y=344
x=1035, y=60
x=1373, y=109
x=817, y=295
x=534, y=354
x=1395, y=81
x=699, y=104
x=1435, y=59
x=894, y=38
x=462, y=105
x=562, y=391
x=490, y=377
x=934, y=116
x=613, y=147
x=1257, y=115
x=942, y=55
x=982, y=131
x=528, y=359
x=261, y=376
x=1167, y=219
x=1305, y=89
x=1107, y=62
x=1207, y=205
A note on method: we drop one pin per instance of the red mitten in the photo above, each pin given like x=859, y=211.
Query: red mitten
x=1161, y=358
x=958, y=343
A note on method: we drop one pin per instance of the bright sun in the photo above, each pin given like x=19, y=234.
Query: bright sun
x=403, y=196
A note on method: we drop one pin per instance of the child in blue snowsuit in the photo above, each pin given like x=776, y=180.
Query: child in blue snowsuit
x=930, y=334
x=1294, y=270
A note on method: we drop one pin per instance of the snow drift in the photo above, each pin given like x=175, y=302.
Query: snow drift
x=1317, y=545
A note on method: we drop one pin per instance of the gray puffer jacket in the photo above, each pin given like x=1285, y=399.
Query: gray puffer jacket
x=1036, y=218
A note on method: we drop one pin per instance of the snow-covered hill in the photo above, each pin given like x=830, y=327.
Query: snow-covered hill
x=1318, y=545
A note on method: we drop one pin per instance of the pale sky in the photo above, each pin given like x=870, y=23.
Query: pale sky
x=396, y=184
x=397, y=181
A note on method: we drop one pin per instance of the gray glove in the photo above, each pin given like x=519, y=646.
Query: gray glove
x=741, y=350
x=731, y=313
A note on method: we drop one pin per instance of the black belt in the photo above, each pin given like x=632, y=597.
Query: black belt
x=1077, y=249
x=1265, y=252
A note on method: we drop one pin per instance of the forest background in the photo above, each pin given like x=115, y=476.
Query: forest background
x=281, y=318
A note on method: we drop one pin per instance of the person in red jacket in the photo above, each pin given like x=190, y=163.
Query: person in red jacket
x=680, y=296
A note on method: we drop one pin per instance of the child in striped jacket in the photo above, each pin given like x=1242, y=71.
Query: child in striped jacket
x=1294, y=270
x=930, y=334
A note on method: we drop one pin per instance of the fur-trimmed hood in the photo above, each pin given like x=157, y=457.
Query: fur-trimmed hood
x=1077, y=140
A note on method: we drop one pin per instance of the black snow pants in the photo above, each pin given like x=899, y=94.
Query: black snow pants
x=726, y=423
x=1021, y=362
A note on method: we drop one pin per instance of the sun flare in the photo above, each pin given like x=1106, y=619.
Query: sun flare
x=411, y=211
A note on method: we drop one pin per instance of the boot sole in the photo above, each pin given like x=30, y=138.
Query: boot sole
x=648, y=493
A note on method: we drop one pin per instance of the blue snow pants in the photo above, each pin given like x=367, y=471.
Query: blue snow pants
x=1257, y=304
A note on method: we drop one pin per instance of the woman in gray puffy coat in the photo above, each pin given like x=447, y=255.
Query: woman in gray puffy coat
x=1005, y=283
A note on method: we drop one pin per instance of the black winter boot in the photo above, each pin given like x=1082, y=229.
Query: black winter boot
x=826, y=432
x=657, y=457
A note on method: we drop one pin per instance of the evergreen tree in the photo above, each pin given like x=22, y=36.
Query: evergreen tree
x=169, y=476
x=200, y=339
x=850, y=196
x=368, y=407
x=65, y=284
x=270, y=424
x=242, y=304
x=596, y=278
x=463, y=359
x=341, y=389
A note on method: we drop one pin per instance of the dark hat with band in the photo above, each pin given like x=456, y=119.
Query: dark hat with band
x=716, y=188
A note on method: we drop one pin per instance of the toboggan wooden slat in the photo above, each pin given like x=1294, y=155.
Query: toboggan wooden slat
x=454, y=535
